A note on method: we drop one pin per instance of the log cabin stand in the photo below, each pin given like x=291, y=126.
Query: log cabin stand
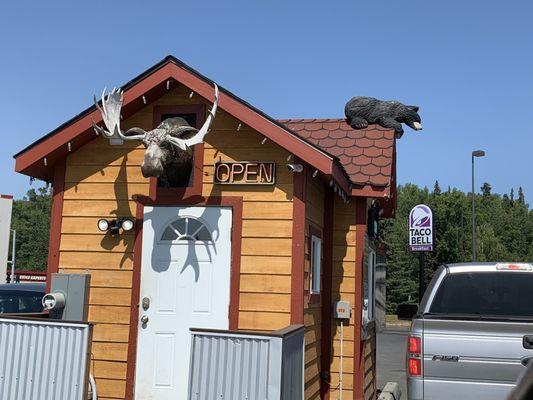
x=277, y=222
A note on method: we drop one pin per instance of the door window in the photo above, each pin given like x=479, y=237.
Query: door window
x=186, y=228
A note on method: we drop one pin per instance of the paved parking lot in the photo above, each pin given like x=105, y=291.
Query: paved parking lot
x=391, y=347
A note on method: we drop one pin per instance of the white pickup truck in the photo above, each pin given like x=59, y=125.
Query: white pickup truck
x=472, y=336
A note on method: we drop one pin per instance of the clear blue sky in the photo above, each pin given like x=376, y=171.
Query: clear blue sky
x=467, y=64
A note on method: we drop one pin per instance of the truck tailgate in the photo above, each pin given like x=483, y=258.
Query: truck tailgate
x=473, y=359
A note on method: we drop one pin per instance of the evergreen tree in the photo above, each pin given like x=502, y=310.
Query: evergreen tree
x=504, y=233
x=436, y=189
x=486, y=189
x=31, y=220
x=521, y=198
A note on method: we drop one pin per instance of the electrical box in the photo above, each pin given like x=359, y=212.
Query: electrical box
x=72, y=291
x=342, y=310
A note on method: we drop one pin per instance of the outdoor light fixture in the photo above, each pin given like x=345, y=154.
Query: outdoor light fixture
x=103, y=225
x=295, y=168
x=113, y=226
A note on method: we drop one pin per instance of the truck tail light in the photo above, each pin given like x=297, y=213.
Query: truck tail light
x=415, y=366
x=414, y=356
x=415, y=345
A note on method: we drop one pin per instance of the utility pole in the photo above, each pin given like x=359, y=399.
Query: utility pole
x=475, y=153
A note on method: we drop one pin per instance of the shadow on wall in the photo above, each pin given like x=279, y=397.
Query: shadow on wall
x=127, y=239
x=192, y=239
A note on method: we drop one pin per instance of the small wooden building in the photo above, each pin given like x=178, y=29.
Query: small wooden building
x=275, y=247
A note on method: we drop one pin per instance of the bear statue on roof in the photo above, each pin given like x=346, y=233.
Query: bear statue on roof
x=362, y=111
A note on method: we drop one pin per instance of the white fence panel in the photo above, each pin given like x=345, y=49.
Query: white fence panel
x=43, y=359
x=233, y=365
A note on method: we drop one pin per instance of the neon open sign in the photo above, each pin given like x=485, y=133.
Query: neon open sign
x=245, y=173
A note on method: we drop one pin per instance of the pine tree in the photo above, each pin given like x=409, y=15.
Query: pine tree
x=504, y=233
x=486, y=189
x=31, y=220
x=521, y=198
x=436, y=189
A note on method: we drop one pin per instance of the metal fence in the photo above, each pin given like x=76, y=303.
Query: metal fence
x=237, y=365
x=43, y=359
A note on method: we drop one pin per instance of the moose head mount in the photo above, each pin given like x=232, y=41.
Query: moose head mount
x=168, y=154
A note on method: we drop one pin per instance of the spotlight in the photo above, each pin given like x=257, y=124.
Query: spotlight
x=113, y=226
x=103, y=225
x=127, y=224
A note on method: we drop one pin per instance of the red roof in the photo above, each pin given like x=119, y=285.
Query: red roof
x=367, y=155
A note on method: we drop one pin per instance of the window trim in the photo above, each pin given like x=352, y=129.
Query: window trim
x=369, y=315
x=314, y=296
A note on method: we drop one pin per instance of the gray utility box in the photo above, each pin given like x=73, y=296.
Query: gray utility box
x=75, y=288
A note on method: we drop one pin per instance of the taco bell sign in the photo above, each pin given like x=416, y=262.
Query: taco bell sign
x=421, y=228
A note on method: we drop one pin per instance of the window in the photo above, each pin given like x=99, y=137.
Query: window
x=12, y=301
x=185, y=178
x=490, y=294
x=369, y=285
x=186, y=228
x=316, y=263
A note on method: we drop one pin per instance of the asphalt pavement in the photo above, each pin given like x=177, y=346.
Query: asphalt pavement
x=391, y=347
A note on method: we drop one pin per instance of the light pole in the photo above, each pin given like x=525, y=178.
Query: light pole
x=475, y=153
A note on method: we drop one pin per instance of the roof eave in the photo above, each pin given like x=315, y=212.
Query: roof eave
x=170, y=67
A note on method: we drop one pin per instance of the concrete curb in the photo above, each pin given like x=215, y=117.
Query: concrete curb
x=391, y=391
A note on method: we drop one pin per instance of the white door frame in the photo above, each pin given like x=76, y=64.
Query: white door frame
x=234, y=273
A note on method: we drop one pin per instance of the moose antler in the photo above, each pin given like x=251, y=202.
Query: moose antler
x=110, y=111
x=184, y=144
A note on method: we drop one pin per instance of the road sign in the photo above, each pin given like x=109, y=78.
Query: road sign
x=421, y=228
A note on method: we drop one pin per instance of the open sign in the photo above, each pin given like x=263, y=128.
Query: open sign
x=245, y=173
x=421, y=228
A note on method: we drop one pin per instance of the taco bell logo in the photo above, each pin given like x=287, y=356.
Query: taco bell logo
x=421, y=228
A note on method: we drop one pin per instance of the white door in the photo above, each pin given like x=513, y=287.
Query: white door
x=185, y=282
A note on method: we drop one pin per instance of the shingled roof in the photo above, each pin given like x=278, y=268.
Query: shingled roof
x=367, y=155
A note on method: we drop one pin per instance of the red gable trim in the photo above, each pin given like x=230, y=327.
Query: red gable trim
x=31, y=160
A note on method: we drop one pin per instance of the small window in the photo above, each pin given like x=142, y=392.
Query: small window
x=369, y=286
x=186, y=228
x=185, y=177
x=316, y=264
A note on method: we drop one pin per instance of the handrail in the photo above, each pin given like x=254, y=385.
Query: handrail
x=281, y=333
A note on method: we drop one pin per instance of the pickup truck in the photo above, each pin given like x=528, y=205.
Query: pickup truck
x=472, y=335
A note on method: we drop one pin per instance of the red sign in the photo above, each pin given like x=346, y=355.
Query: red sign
x=245, y=173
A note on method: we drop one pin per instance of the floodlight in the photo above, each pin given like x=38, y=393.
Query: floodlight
x=103, y=225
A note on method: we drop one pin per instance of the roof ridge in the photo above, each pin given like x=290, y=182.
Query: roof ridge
x=311, y=120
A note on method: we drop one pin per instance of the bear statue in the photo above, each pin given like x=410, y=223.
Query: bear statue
x=361, y=111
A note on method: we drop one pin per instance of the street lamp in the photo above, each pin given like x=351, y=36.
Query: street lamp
x=475, y=153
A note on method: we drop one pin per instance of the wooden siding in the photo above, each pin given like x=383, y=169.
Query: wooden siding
x=315, y=198
x=343, y=288
x=369, y=365
x=103, y=180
